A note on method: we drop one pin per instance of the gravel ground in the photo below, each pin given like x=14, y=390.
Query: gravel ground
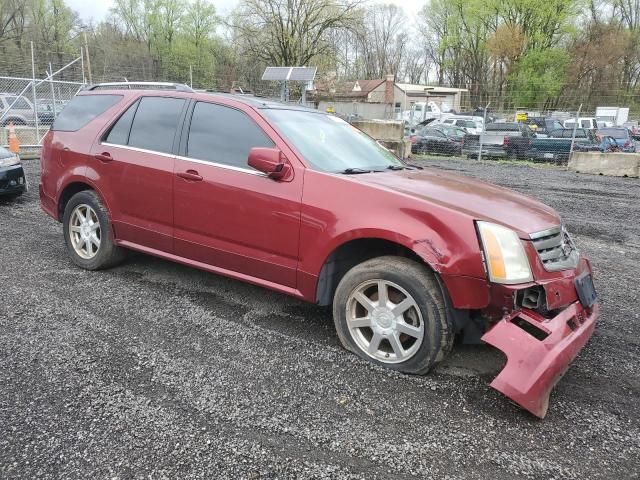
x=156, y=370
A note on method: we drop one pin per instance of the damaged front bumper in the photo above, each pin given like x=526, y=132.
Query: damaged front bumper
x=539, y=351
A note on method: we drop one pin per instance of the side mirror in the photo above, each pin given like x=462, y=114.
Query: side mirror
x=270, y=161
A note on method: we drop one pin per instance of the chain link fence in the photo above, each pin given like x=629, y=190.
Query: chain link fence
x=30, y=105
x=437, y=120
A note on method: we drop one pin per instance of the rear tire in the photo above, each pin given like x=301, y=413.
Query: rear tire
x=404, y=328
x=88, y=233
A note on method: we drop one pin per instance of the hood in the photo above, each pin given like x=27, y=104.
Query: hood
x=475, y=198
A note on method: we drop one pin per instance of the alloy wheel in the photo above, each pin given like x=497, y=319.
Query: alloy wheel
x=385, y=321
x=84, y=231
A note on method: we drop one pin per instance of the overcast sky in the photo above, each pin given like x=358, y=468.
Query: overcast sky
x=98, y=9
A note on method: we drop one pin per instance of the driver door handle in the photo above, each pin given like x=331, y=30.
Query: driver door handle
x=191, y=175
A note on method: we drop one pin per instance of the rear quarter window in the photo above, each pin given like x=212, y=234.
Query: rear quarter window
x=155, y=123
x=83, y=109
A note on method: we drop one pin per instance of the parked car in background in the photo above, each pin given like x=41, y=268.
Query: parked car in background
x=590, y=123
x=441, y=139
x=300, y=202
x=48, y=109
x=16, y=110
x=466, y=123
x=624, y=139
x=512, y=140
x=556, y=147
x=581, y=134
x=12, y=179
x=480, y=113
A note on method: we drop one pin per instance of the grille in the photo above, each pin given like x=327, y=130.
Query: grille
x=555, y=249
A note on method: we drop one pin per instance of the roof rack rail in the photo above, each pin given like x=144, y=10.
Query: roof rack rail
x=180, y=87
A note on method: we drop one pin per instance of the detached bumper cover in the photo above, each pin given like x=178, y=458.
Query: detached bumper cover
x=534, y=365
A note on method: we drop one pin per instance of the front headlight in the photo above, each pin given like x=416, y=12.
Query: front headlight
x=8, y=161
x=504, y=254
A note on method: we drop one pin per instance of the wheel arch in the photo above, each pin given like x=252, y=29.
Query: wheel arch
x=352, y=252
x=70, y=189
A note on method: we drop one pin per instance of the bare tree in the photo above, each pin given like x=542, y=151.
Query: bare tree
x=290, y=32
x=383, y=40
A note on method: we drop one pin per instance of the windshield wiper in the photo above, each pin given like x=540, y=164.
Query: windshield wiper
x=406, y=166
x=353, y=171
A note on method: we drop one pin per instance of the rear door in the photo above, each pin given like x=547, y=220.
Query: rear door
x=133, y=164
x=227, y=214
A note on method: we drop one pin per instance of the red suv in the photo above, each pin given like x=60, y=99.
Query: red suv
x=301, y=202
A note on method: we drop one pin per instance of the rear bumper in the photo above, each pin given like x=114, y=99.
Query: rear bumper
x=487, y=151
x=534, y=366
x=12, y=180
x=48, y=204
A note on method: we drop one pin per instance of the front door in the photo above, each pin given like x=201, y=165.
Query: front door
x=227, y=214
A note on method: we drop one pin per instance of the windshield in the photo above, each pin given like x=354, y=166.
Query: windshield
x=329, y=143
x=618, y=133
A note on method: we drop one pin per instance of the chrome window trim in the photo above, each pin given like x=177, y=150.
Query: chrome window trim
x=194, y=160
x=222, y=165
x=141, y=150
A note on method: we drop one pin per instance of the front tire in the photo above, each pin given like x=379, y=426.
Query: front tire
x=391, y=312
x=88, y=233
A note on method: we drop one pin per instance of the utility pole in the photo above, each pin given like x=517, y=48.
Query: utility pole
x=86, y=48
x=575, y=128
x=484, y=129
x=33, y=90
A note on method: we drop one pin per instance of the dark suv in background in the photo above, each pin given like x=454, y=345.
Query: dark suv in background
x=303, y=203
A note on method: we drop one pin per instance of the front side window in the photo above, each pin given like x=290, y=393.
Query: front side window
x=329, y=143
x=224, y=135
x=155, y=123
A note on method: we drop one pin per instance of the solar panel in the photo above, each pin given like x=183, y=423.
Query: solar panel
x=303, y=74
x=294, y=74
x=276, y=73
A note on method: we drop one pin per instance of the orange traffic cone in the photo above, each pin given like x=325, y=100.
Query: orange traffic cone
x=14, y=143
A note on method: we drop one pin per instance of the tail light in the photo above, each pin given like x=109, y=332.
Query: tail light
x=505, y=142
x=627, y=144
x=413, y=138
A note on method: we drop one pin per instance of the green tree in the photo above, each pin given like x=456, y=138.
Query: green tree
x=539, y=78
